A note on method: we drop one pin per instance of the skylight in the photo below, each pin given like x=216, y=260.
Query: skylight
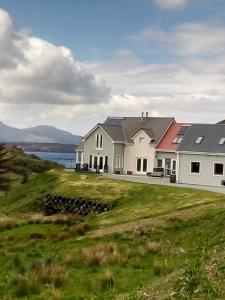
x=177, y=140
x=199, y=140
x=222, y=141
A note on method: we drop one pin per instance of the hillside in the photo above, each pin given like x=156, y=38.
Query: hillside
x=39, y=134
x=21, y=166
x=157, y=242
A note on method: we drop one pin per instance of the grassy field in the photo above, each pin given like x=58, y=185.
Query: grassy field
x=157, y=242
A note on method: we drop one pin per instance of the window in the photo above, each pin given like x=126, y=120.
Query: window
x=218, y=169
x=106, y=161
x=119, y=161
x=144, y=165
x=178, y=140
x=159, y=163
x=95, y=162
x=90, y=161
x=199, y=140
x=99, y=141
x=195, y=167
x=139, y=165
x=101, y=163
x=221, y=141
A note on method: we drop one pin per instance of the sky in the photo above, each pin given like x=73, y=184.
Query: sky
x=71, y=64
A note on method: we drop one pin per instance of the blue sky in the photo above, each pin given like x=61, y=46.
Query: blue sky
x=72, y=63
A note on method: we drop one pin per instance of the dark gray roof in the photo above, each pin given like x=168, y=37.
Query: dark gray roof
x=115, y=132
x=211, y=133
x=129, y=126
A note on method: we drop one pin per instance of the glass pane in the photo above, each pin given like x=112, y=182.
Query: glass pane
x=144, y=165
x=101, y=141
x=106, y=161
x=174, y=164
x=95, y=162
x=218, y=169
x=90, y=162
x=168, y=163
x=159, y=163
x=195, y=167
x=138, y=164
x=101, y=163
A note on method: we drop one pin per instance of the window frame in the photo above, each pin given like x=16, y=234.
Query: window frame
x=195, y=173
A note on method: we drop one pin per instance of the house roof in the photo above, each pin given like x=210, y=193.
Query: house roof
x=148, y=131
x=175, y=130
x=211, y=133
x=127, y=127
x=115, y=132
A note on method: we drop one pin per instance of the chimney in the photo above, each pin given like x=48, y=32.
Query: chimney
x=142, y=115
x=146, y=114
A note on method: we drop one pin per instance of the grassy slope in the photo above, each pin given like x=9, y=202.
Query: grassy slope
x=144, y=243
x=22, y=166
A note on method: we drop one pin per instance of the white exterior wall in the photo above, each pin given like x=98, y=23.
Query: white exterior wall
x=107, y=149
x=206, y=175
x=137, y=150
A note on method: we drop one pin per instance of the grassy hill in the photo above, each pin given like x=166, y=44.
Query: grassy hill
x=157, y=242
x=22, y=166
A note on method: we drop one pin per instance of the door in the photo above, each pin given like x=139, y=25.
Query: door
x=142, y=165
x=174, y=164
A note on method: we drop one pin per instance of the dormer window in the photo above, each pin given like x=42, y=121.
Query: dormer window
x=199, y=140
x=178, y=140
x=222, y=141
x=99, y=141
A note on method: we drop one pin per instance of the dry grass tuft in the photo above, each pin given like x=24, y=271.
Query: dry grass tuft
x=36, y=236
x=51, y=273
x=79, y=229
x=100, y=254
x=107, y=280
x=175, y=219
x=152, y=247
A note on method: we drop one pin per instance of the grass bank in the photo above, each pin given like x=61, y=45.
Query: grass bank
x=157, y=242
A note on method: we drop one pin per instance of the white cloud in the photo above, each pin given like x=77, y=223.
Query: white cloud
x=33, y=70
x=196, y=38
x=170, y=4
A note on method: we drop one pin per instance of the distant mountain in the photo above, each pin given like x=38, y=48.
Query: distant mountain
x=38, y=134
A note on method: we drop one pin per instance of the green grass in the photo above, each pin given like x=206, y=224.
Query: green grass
x=157, y=242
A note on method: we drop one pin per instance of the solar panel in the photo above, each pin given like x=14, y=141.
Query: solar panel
x=183, y=130
x=113, y=121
